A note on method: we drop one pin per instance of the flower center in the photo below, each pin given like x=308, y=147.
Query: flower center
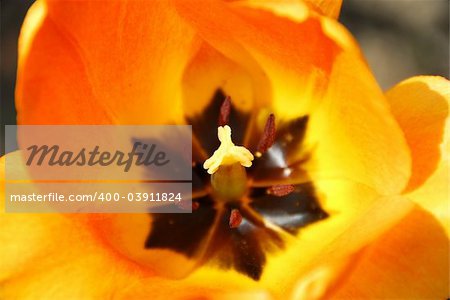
x=245, y=204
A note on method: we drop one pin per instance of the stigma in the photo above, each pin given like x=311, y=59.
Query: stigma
x=227, y=154
x=226, y=166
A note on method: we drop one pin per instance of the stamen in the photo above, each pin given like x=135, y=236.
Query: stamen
x=235, y=218
x=227, y=153
x=280, y=190
x=268, y=136
x=225, y=109
x=185, y=205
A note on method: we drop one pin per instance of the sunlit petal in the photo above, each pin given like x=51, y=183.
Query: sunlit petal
x=421, y=107
x=408, y=262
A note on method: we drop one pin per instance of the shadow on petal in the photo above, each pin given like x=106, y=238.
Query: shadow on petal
x=420, y=105
x=408, y=262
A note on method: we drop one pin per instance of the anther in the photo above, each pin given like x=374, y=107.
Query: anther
x=225, y=109
x=268, y=136
x=280, y=190
x=235, y=218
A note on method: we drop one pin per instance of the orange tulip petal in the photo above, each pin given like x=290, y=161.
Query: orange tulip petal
x=91, y=63
x=329, y=8
x=355, y=134
x=313, y=66
x=421, y=107
x=409, y=262
x=56, y=256
x=434, y=194
x=295, y=9
x=333, y=244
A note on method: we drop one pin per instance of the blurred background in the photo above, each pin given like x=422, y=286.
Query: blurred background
x=400, y=38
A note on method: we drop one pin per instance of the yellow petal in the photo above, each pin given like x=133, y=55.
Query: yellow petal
x=294, y=9
x=411, y=260
x=408, y=262
x=209, y=71
x=434, y=195
x=355, y=135
x=91, y=63
x=329, y=8
x=421, y=107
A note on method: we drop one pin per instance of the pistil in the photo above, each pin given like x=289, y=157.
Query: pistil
x=226, y=166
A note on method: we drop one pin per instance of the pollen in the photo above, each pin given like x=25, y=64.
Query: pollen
x=227, y=153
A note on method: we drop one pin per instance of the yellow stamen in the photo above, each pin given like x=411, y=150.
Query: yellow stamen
x=227, y=153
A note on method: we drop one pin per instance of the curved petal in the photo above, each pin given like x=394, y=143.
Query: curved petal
x=91, y=63
x=354, y=133
x=294, y=9
x=314, y=67
x=57, y=256
x=421, y=107
x=411, y=261
x=408, y=262
x=434, y=195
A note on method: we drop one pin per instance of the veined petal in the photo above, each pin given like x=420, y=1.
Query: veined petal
x=95, y=63
x=314, y=68
x=421, y=107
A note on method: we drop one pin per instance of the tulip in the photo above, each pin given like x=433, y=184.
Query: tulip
x=345, y=192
